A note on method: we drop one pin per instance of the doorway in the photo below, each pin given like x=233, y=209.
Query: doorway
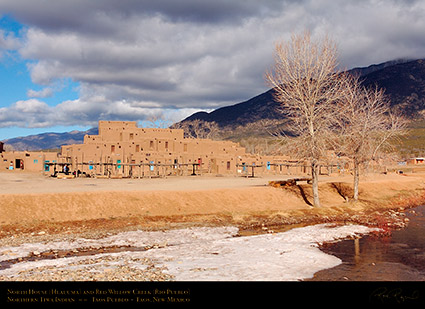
x=19, y=164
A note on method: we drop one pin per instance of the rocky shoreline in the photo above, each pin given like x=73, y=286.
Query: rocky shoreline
x=93, y=270
x=194, y=254
x=104, y=263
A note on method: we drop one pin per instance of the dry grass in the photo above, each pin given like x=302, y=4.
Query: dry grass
x=248, y=207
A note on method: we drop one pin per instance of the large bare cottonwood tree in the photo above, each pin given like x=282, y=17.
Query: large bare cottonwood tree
x=309, y=86
x=368, y=125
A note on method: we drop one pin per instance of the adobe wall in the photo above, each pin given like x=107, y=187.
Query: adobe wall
x=115, y=131
x=27, y=161
x=122, y=144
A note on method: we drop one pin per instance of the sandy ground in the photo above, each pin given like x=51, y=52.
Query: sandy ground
x=18, y=183
x=34, y=201
x=183, y=228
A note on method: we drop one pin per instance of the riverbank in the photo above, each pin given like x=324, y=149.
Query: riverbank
x=187, y=228
x=34, y=204
x=189, y=254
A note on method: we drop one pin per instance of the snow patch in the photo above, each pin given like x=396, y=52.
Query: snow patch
x=204, y=254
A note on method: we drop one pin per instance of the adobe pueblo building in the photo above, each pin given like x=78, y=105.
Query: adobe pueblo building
x=123, y=149
x=32, y=161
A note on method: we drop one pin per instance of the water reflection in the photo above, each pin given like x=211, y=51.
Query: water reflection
x=356, y=250
x=399, y=257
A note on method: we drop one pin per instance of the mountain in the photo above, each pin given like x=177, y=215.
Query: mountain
x=48, y=140
x=376, y=67
x=260, y=107
x=404, y=84
x=403, y=81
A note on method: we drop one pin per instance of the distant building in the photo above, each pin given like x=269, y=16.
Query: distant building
x=29, y=161
x=416, y=161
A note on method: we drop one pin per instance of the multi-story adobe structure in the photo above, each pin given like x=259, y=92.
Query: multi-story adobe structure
x=124, y=149
x=121, y=149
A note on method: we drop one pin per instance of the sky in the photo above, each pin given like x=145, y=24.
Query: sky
x=66, y=64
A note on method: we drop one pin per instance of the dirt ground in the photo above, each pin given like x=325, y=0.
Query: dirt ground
x=33, y=203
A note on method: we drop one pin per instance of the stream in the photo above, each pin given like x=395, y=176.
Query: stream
x=398, y=257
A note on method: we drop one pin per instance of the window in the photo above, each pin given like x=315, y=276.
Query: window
x=112, y=148
x=185, y=147
x=166, y=145
x=137, y=148
x=151, y=144
x=228, y=165
x=131, y=136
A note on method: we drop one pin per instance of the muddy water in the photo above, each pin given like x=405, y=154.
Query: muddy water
x=398, y=257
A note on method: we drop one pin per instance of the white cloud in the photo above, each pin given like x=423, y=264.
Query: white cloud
x=30, y=106
x=136, y=58
x=43, y=93
x=34, y=113
x=8, y=42
x=26, y=113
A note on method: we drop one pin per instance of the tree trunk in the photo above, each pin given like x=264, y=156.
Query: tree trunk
x=356, y=179
x=315, y=183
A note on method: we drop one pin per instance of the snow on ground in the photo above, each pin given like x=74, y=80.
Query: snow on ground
x=204, y=254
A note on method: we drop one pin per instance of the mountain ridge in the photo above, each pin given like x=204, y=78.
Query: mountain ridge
x=48, y=140
x=402, y=79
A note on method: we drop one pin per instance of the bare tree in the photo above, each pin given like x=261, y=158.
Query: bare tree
x=308, y=85
x=198, y=129
x=157, y=122
x=368, y=125
x=8, y=148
